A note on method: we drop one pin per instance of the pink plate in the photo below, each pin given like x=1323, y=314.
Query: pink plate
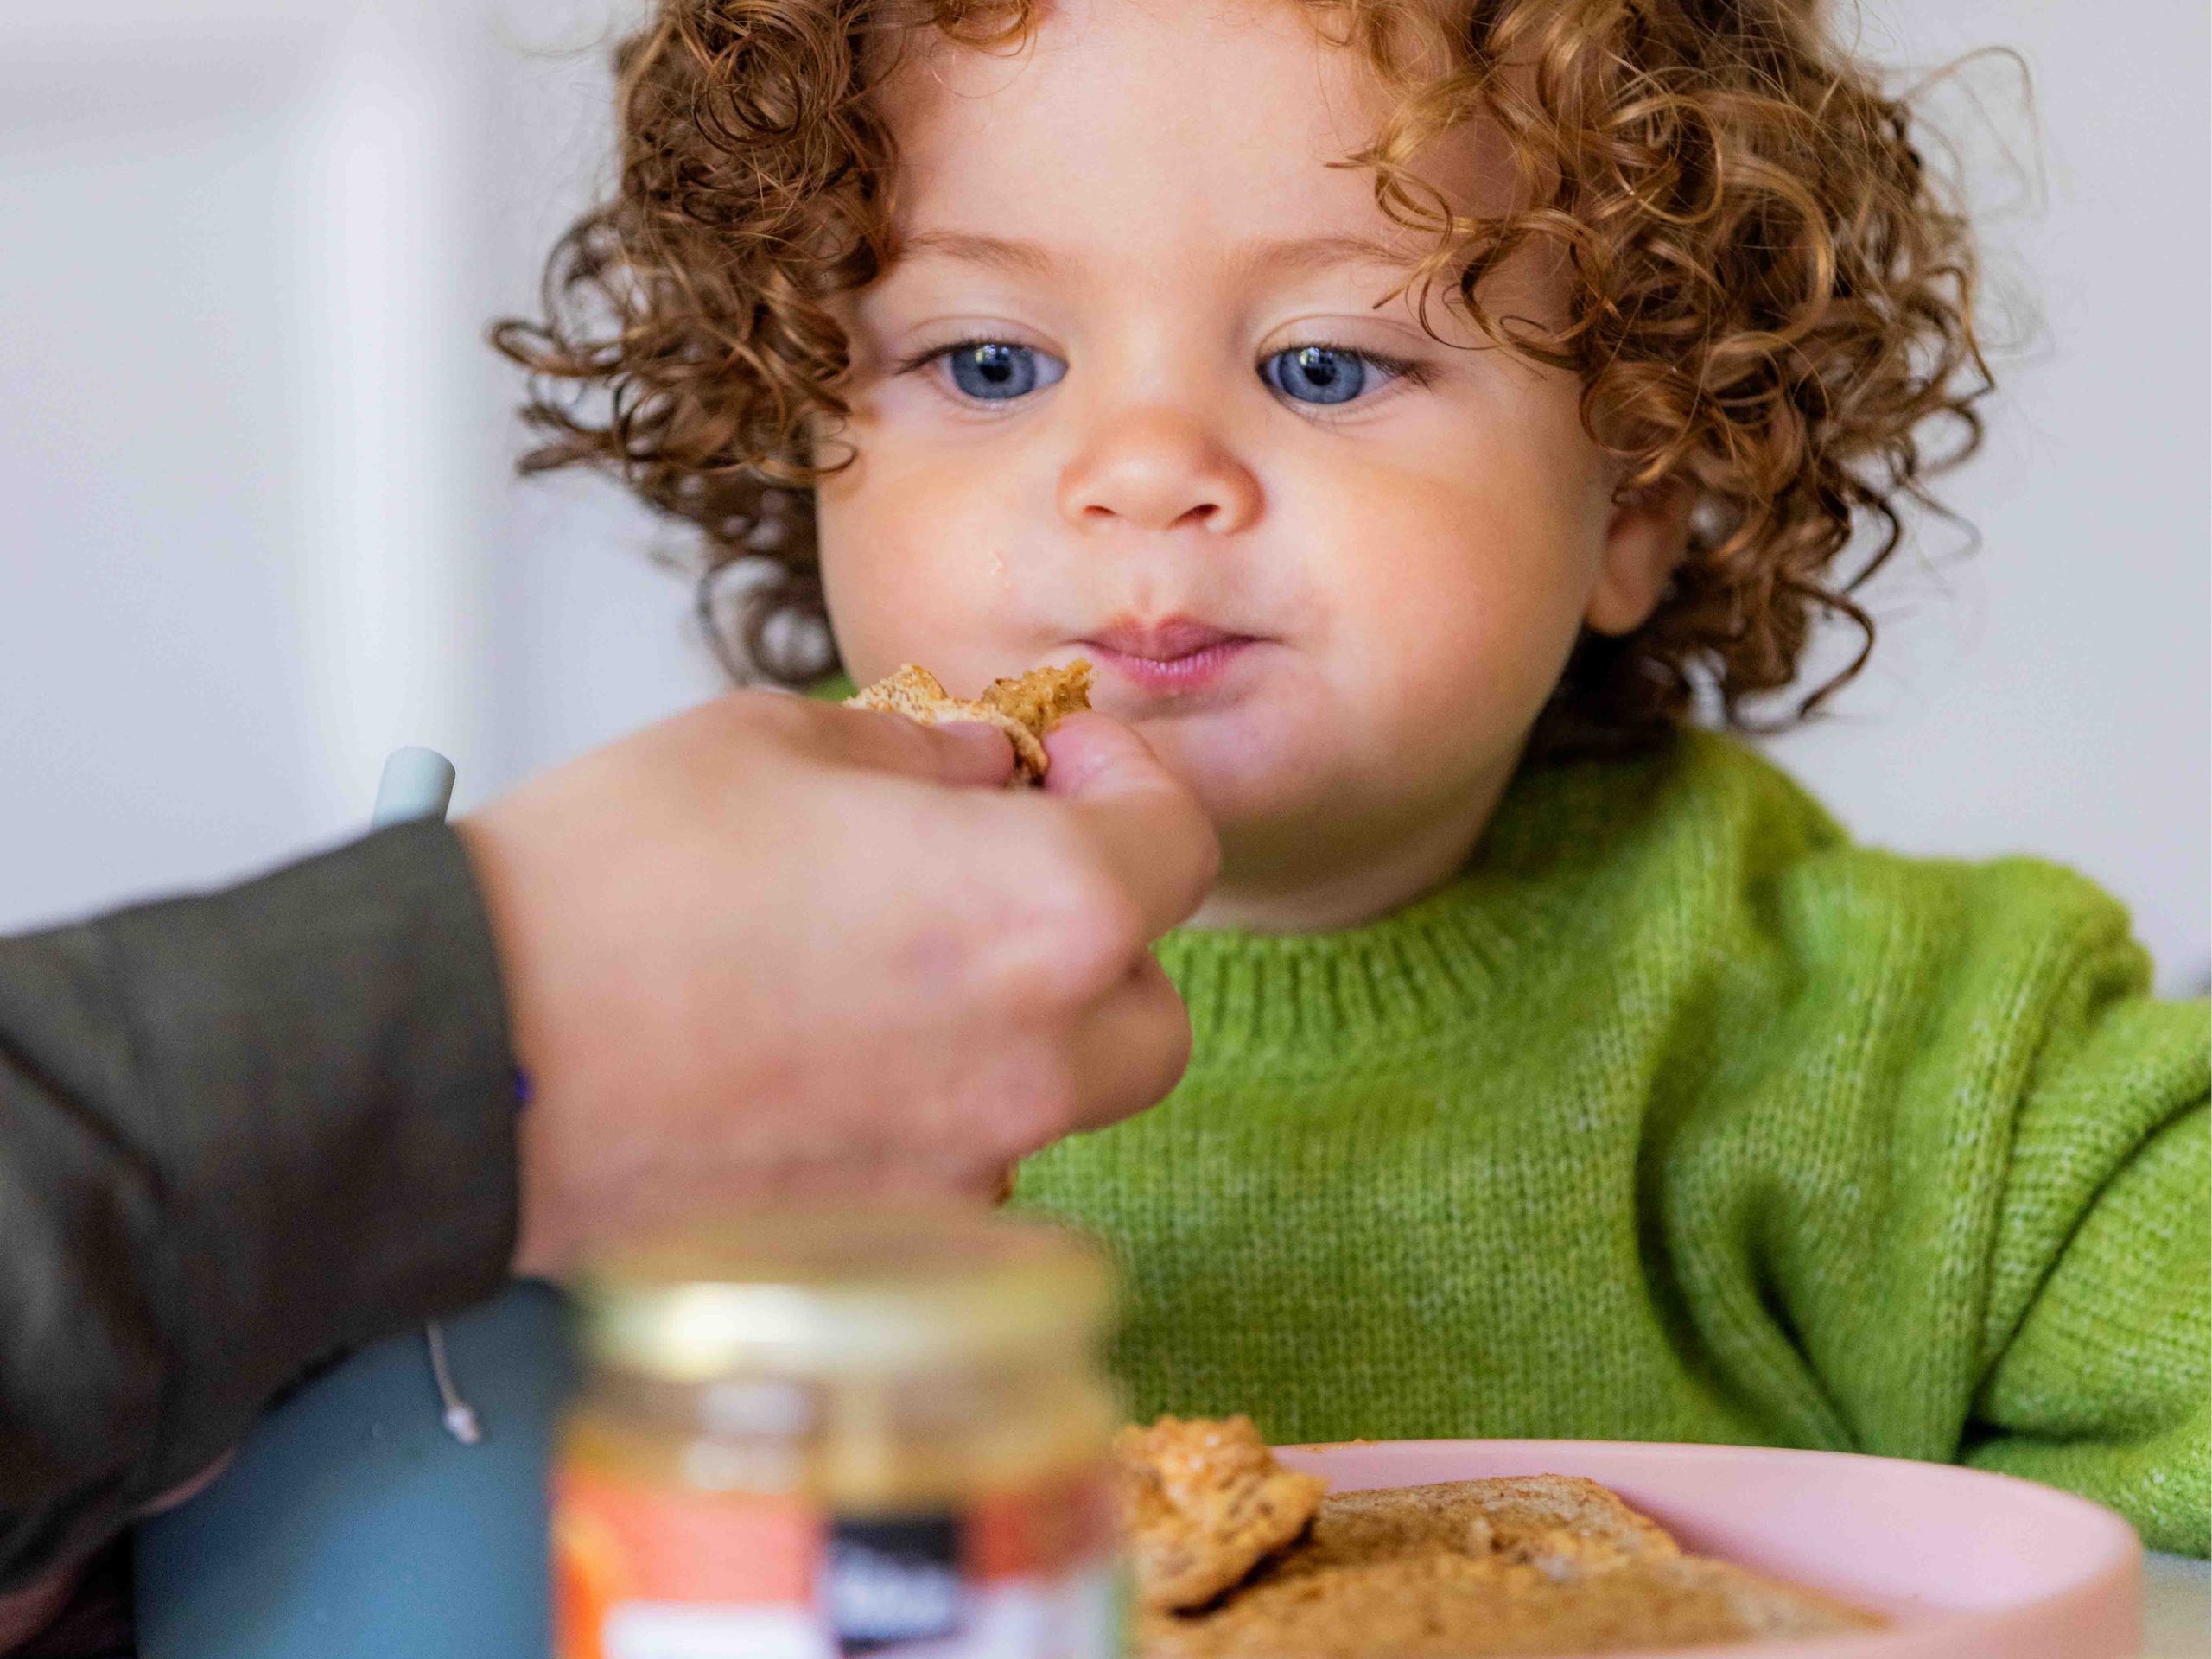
x=1971, y=1565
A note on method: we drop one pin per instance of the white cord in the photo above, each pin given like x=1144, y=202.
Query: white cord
x=459, y=1416
x=417, y=784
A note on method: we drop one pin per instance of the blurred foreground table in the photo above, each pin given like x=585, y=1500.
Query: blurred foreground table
x=2177, y=1608
x=353, y=1526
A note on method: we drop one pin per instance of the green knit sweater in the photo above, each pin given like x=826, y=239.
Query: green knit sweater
x=1677, y=1117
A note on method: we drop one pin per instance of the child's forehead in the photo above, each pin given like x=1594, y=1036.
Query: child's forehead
x=1122, y=113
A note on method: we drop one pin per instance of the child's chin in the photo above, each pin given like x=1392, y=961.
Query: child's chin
x=1246, y=777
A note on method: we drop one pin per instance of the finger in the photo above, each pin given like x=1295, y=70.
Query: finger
x=1159, y=844
x=1132, y=1047
x=971, y=753
x=959, y=752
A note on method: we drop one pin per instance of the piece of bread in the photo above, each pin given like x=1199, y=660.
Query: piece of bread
x=1024, y=708
x=1562, y=1524
x=1538, y=1565
x=1204, y=1503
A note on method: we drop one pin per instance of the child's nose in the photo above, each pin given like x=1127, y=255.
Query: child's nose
x=1159, y=468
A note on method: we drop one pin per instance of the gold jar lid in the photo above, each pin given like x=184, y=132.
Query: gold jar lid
x=817, y=1291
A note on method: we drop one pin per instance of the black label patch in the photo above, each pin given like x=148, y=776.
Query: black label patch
x=887, y=1583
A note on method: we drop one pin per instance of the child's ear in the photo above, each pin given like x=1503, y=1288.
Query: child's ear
x=1645, y=540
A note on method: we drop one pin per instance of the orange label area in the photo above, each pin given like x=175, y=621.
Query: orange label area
x=644, y=1569
x=1044, y=1530
x=615, y=1542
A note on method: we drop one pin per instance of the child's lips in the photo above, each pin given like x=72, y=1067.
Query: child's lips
x=1173, y=656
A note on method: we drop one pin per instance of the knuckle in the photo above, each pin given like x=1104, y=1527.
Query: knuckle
x=1101, y=927
x=1074, y=928
x=1047, y=1103
x=1192, y=846
x=1208, y=842
x=1164, y=1045
x=1174, y=1052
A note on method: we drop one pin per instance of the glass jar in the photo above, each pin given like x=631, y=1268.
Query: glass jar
x=811, y=1433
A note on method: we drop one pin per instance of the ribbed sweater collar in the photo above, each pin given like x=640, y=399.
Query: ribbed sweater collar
x=1418, y=970
x=1547, y=874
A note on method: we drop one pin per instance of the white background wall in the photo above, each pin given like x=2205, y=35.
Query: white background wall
x=255, y=527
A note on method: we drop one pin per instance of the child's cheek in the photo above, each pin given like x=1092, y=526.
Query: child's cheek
x=919, y=554
x=890, y=604
x=1466, y=647
x=884, y=593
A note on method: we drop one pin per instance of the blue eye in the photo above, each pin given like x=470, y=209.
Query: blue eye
x=994, y=372
x=1320, y=374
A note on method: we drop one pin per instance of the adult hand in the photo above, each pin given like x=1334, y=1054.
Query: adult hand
x=772, y=946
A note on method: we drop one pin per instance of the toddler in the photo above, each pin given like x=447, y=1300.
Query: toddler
x=1417, y=411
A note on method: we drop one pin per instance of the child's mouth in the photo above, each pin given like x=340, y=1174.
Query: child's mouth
x=1173, y=655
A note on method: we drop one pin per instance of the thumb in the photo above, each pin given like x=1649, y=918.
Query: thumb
x=1156, y=837
x=1096, y=758
x=958, y=751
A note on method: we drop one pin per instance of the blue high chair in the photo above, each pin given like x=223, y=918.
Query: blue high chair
x=359, y=1520
x=352, y=1524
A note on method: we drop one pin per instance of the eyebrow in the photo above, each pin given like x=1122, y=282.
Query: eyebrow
x=1300, y=254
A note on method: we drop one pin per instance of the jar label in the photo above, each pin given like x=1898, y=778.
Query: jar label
x=884, y=1582
x=644, y=1571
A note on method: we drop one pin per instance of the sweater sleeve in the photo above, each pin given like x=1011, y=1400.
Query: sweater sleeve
x=2099, y=1334
x=238, y=1133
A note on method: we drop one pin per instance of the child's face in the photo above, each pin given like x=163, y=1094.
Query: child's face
x=1332, y=592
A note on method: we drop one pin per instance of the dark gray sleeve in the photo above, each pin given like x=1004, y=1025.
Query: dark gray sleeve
x=237, y=1134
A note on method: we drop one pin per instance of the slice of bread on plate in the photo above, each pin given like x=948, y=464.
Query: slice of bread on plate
x=1546, y=1563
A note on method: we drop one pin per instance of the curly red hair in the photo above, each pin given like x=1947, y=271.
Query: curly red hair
x=1769, y=297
